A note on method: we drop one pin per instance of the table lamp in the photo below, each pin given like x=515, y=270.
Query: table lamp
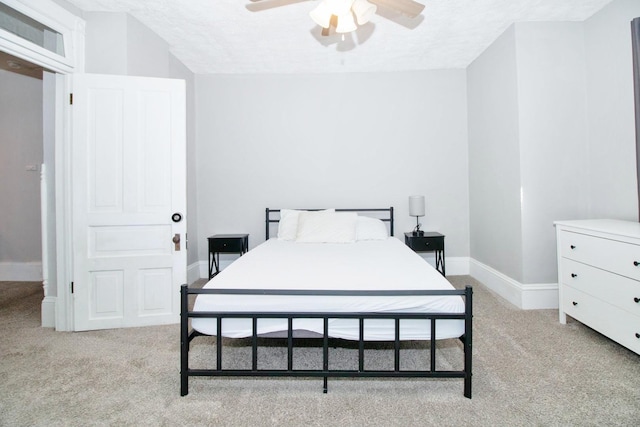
x=416, y=208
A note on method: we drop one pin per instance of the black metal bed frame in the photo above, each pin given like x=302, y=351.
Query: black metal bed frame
x=268, y=220
x=187, y=336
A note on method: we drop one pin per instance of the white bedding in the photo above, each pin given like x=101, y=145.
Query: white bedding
x=364, y=265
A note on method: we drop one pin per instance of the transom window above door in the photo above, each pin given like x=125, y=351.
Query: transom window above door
x=31, y=30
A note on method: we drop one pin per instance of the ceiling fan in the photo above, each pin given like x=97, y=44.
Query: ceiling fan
x=329, y=12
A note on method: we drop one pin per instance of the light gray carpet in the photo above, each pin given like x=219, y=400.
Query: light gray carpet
x=528, y=370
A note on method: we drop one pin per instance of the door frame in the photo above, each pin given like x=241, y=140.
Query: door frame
x=72, y=29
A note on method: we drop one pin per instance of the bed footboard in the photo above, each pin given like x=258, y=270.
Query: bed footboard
x=186, y=336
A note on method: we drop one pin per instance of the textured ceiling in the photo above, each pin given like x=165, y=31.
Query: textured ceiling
x=226, y=36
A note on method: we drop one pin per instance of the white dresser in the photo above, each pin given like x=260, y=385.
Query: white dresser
x=599, y=277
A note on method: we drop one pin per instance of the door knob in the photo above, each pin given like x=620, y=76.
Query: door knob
x=176, y=241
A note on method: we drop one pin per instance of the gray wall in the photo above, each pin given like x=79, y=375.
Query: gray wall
x=177, y=70
x=117, y=43
x=612, y=178
x=106, y=38
x=20, y=145
x=494, y=158
x=332, y=140
x=553, y=138
x=570, y=119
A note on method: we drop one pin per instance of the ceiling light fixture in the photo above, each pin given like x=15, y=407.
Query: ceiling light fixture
x=14, y=65
x=344, y=11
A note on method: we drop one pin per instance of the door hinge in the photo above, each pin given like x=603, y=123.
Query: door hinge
x=71, y=287
x=71, y=98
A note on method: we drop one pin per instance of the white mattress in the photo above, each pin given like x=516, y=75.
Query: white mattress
x=364, y=265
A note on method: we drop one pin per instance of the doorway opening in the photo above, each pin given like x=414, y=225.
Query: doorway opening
x=21, y=157
x=26, y=151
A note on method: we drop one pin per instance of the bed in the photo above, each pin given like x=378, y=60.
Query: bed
x=328, y=275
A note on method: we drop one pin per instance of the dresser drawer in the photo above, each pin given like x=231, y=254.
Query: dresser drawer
x=615, y=323
x=610, y=255
x=616, y=290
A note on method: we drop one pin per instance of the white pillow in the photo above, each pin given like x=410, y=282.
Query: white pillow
x=326, y=227
x=288, y=224
x=368, y=228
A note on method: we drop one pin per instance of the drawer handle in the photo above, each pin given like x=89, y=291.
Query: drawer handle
x=637, y=335
x=572, y=247
x=636, y=299
x=636, y=263
x=574, y=303
x=574, y=275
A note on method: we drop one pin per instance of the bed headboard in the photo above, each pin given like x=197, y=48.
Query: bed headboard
x=383, y=214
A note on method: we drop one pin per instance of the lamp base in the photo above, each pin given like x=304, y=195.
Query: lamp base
x=418, y=233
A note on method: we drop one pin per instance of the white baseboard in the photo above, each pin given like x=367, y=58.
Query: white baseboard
x=203, y=268
x=48, y=312
x=21, y=271
x=457, y=266
x=454, y=266
x=524, y=296
x=194, y=271
x=539, y=296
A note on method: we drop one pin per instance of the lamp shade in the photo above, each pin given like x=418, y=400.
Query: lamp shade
x=416, y=205
x=346, y=24
x=363, y=11
x=321, y=15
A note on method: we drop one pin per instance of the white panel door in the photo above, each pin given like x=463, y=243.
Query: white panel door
x=129, y=178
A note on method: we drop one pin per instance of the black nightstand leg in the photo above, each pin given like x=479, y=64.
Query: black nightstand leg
x=440, y=262
x=214, y=261
x=211, y=260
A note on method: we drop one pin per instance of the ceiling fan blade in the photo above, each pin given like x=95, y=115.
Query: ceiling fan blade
x=258, y=5
x=408, y=8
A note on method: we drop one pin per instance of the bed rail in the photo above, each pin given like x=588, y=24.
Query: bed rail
x=186, y=336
